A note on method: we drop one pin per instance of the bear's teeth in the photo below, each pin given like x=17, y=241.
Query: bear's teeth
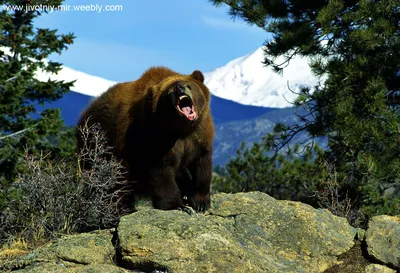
x=182, y=97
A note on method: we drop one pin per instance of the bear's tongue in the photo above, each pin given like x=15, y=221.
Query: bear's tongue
x=188, y=112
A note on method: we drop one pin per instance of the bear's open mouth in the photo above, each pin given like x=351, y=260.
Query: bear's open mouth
x=186, y=107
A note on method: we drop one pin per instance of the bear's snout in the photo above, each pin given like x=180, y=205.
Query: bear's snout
x=179, y=90
x=182, y=90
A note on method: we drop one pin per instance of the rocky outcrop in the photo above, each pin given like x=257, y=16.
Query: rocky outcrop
x=244, y=232
x=383, y=239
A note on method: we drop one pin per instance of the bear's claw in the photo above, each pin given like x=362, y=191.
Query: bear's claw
x=187, y=209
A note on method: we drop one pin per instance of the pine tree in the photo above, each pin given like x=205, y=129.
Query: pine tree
x=283, y=176
x=354, y=47
x=23, y=52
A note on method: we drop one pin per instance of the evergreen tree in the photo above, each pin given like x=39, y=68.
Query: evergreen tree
x=23, y=52
x=354, y=47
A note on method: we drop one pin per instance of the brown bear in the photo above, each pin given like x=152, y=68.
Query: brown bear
x=161, y=129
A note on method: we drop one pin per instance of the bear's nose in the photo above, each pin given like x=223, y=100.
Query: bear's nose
x=179, y=89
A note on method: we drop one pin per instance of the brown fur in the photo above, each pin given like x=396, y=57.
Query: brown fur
x=167, y=156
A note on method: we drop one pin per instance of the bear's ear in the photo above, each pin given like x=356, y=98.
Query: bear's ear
x=197, y=75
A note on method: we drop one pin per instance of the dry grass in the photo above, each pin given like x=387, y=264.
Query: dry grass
x=16, y=248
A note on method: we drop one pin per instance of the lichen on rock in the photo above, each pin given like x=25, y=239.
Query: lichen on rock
x=244, y=232
x=383, y=239
x=377, y=268
x=73, y=253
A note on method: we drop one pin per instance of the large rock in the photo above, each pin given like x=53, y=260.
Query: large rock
x=383, y=239
x=244, y=232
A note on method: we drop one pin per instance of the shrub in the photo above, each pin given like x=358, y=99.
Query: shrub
x=332, y=195
x=57, y=197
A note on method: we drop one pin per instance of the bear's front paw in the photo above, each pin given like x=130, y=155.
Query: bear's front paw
x=199, y=202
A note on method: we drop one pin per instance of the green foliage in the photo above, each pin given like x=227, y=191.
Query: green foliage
x=354, y=48
x=23, y=52
x=283, y=176
x=63, y=145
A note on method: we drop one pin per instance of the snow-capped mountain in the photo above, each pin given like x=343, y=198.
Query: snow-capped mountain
x=244, y=80
x=247, y=81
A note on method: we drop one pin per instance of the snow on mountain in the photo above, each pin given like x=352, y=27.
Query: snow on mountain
x=244, y=80
x=247, y=81
x=85, y=84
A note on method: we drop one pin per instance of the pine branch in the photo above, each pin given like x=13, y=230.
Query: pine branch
x=16, y=133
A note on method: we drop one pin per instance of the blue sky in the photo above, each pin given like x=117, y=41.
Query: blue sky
x=182, y=34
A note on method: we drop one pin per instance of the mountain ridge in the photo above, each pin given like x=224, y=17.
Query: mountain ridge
x=73, y=103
